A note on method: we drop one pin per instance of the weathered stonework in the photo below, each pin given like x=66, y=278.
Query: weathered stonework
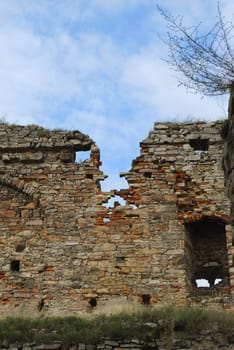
x=207, y=339
x=64, y=251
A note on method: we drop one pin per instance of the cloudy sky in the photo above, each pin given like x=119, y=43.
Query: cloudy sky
x=96, y=66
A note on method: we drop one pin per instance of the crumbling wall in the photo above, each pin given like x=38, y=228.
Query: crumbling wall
x=64, y=251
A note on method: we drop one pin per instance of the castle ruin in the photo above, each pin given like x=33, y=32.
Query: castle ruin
x=66, y=250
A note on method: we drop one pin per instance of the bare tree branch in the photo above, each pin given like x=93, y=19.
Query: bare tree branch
x=206, y=61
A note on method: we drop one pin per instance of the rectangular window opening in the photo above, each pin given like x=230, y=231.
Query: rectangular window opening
x=199, y=145
x=82, y=156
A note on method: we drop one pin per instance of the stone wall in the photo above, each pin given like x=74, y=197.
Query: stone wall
x=66, y=250
x=205, y=340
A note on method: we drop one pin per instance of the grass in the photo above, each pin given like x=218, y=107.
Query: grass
x=145, y=324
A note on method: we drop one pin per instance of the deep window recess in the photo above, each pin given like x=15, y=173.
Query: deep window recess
x=199, y=145
x=206, y=256
x=15, y=265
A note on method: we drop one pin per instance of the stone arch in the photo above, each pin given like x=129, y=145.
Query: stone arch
x=20, y=211
x=20, y=186
x=21, y=224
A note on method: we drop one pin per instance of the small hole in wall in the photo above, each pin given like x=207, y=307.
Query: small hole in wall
x=93, y=302
x=146, y=299
x=199, y=145
x=20, y=248
x=15, y=265
x=147, y=174
x=120, y=258
x=114, y=201
x=105, y=220
x=89, y=176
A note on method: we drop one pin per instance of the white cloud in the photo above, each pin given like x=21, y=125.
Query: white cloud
x=60, y=66
x=150, y=82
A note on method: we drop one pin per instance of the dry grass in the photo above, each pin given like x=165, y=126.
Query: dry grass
x=147, y=323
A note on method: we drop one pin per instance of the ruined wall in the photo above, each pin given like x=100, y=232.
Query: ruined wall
x=64, y=251
x=206, y=339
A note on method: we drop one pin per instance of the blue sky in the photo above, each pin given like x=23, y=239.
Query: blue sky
x=96, y=66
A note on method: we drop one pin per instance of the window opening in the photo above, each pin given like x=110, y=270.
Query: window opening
x=15, y=265
x=82, y=156
x=206, y=255
x=89, y=176
x=199, y=145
